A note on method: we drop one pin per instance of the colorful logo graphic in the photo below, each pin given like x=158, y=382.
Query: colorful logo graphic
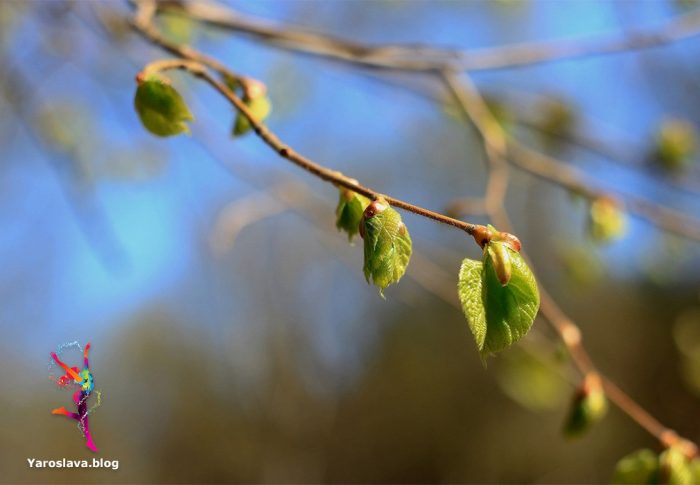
x=85, y=383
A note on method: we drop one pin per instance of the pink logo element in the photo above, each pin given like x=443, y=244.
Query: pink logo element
x=85, y=383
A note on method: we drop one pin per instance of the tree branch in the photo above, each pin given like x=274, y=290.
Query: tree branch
x=422, y=58
x=286, y=152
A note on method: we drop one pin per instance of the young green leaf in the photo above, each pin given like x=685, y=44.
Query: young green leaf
x=498, y=315
x=676, y=144
x=636, y=468
x=349, y=212
x=607, y=220
x=161, y=108
x=674, y=468
x=259, y=107
x=387, y=244
x=471, y=294
x=588, y=406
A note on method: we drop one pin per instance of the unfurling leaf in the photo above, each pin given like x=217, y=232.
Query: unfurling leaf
x=588, y=406
x=607, y=220
x=500, y=259
x=349, y=212
x=259, y=107
x=498, y=314
x=161, y=108
x=640, y=467
x=674, y=468
x=676, y=144
x=387, y=244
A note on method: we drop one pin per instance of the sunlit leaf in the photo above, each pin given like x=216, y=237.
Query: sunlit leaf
x=349, y=212
x=471, y=294
x=161, y=108
x=636, y=468
x=674, y=468
x=498, y=315
x=387, y=245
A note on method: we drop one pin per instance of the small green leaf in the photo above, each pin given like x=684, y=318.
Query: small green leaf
x=351, y=205
x=259, y=107
x=636, y=468
x=588, y=406
x=607, y=220
x=674, y=468
x=387, y=245
x=161, y=108
x=498, y=315
x=471, y=294
x=676, y=144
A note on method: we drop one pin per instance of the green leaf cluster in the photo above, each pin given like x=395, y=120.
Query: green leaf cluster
x=387, y=245
x=161, y=108
x=645, y=467
x=498, y=314
x=349, y=212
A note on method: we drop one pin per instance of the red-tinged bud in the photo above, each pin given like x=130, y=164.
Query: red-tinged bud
x=253, y=89
x=501, y=261
x=482, y=235
x=509, y=240
x=374, y=208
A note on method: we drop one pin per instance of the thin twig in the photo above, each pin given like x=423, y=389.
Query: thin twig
x=286, y=152
x=424, y=58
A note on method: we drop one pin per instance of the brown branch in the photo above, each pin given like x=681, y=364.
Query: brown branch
x=422, y=58
x=142, y=21
x=195, y=62
x=286, y=152
x=555, y=171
